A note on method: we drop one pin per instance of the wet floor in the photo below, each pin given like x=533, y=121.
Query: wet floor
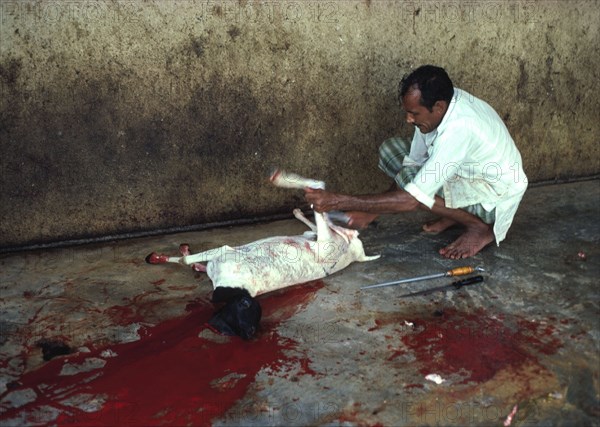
x=93, y=335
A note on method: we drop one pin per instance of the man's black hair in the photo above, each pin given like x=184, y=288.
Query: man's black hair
x=433, y=82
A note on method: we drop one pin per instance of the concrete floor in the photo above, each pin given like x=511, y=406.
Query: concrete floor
x=526, y=339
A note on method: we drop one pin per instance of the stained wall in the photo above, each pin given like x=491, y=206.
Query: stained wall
x=130, y=116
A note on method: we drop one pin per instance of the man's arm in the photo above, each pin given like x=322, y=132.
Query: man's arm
x=383, y=203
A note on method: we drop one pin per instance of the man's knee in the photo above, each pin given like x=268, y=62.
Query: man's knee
x=391, y=155
x=488, y=217
x=394, y=148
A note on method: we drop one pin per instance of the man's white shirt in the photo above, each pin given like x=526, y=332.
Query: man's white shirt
x=472, y=156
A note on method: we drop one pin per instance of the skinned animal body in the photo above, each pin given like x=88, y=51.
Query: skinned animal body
x=240, y=273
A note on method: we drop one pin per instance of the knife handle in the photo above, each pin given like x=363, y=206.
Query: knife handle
x=460, y=271
x=469, y=281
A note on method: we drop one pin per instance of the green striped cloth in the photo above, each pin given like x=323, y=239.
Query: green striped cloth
x=391, y=156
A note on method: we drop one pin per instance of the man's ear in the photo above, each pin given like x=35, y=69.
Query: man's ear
x=440, y=107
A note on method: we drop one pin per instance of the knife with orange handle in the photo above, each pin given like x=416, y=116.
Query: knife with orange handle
x=458, y=271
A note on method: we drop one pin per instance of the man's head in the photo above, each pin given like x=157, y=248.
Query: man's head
x=425, y=95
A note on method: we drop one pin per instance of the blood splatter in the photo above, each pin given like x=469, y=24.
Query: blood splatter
x=171, y=375
x=378, y=324
x=475, y=345
x=181, y=288
x=122, y=315
x=409, y=386
x=395, y=353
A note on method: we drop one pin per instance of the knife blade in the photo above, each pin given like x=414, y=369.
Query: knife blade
x=454, y=285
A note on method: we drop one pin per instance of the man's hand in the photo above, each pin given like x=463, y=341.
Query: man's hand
x=321, y=200
x=382, y=203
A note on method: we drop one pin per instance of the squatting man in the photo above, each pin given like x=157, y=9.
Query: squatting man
x=462, y=165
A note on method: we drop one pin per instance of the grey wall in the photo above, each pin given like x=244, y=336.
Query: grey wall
x=120, y=116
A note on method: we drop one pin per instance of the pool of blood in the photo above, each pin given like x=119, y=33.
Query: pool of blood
x=476, y=345
x=171, y=375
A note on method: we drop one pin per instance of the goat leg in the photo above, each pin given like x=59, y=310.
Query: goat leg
x=184, y=248
x=284, y=179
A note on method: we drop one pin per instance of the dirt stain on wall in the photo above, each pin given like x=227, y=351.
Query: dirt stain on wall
x=129, y=117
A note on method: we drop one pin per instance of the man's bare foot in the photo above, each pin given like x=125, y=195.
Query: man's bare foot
x=438, y=225
x=470, y=243
x=360, y=220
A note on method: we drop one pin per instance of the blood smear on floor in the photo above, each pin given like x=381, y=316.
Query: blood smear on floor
x=476, y=345
x=171, y=375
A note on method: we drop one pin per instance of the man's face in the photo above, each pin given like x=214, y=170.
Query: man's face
x=418, y=115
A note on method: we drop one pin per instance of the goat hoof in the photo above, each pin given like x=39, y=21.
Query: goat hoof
x=155, y=258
